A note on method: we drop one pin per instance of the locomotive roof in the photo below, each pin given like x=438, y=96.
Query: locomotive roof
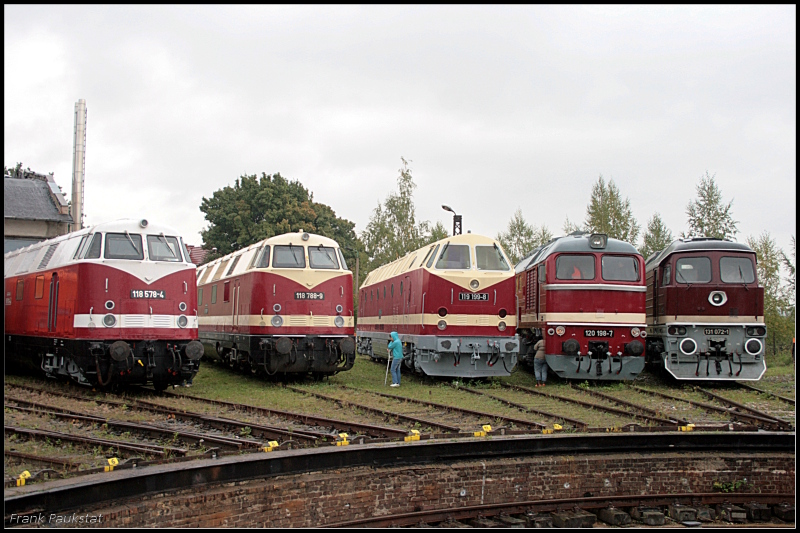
x=404, y=264
x=115, y=226
x=574, y=242
x=695, y=244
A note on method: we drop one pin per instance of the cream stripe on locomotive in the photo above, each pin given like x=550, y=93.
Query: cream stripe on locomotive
x=134, y=321
x=691, y=320
x=593, y=287
x=588, y=318
x=432, y=319
x=290, y=321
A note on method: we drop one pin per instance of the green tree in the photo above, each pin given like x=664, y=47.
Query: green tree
x=392, y=230
x=778, y=311
x=708, y=215
x=570, y=227
x=656, y=238
x=789, y=264
x=608, y=213
x=256, y=208
x=520, y=237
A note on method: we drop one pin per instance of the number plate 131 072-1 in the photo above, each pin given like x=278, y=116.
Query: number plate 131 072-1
x=155, y=294
x=717, y=331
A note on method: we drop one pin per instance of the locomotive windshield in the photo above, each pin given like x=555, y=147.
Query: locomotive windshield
x=454, y=256
x=161, y=248
x=693, y=270
x=736, y=270
x=575, y=267
x=288, y=257
x=490, y=258
x=123, y=246
x=620, y=268
x=322, y=257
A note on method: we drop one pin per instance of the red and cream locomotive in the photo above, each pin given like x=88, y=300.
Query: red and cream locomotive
x=107, y=305
x=451, y=303
x=585, y=295
x=705, y=311
x=283, y=305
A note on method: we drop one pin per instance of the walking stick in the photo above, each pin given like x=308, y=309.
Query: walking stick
x=388, y=361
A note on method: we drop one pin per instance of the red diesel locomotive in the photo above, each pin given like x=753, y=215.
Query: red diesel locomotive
x=705, y=311
x=283, y=305
x=585, y=295
x=107, y=305
x=451, y=303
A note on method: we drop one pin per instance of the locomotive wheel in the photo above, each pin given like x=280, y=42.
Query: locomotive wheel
x=160, y=386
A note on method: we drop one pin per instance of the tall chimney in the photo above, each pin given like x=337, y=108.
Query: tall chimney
x=78, y=162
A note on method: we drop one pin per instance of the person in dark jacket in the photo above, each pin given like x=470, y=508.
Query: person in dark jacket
x=396, y=352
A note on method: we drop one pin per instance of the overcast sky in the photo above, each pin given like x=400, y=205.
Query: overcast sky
x=496, y=107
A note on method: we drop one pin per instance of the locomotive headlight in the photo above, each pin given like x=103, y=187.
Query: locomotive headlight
x=339, y=308
x=474, y=283
x=688, y=346
x=183, y=321
x=338, y=321
x=501, y=326
x=109, y=321
x=109, y=305
x=753, y=346
x=717, y=298
x=551, y=331
x=182, y=306
x=502, y=313
x=277, y=321
x=635, y=332
x=276, y=308
x=560, y=330
x=756, y=331
x=676, y=330
x=441, y=325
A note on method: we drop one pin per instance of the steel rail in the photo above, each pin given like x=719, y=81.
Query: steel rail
x=147, y=429
x=735, y=415
x=727, y=401
x=340, y=425
x=649, y=414
x=590, y=405
x=762, y=391
x=91, y=490
x=382, y=412
x=573, y=421
x=471, y=412
x=560, y=504
x=120, y=445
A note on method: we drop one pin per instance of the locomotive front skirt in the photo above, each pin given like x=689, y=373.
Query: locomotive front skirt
x=283, y=305
x=110, y=304
x=452, y=305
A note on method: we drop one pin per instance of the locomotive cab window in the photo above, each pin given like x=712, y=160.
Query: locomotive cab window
x=490, y=258
x=94, y=249
x=323, y=257
x=39, y=287
x=341, y=258
x=575, y=267
x=185, y=251
x=619, y=268
x=161, y=248
x=736, y=270
x=433, y=256
x=123, y=246
x=80, y=246
x=288, y=257
x=693, y=270
x=263, y=259
x=454, y=256
x=667, y=276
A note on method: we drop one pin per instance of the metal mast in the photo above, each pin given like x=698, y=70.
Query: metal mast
x=78, y=164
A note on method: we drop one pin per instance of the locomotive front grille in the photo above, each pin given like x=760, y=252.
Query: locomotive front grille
x=132, y=321
x=162, y=321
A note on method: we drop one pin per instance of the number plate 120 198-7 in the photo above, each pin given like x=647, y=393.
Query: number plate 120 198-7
x=151, y=294
x=598, y=333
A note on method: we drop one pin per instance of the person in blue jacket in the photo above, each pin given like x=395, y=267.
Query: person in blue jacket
x=396, y=350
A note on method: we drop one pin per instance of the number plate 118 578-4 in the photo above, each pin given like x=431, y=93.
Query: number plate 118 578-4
x=153, y=294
